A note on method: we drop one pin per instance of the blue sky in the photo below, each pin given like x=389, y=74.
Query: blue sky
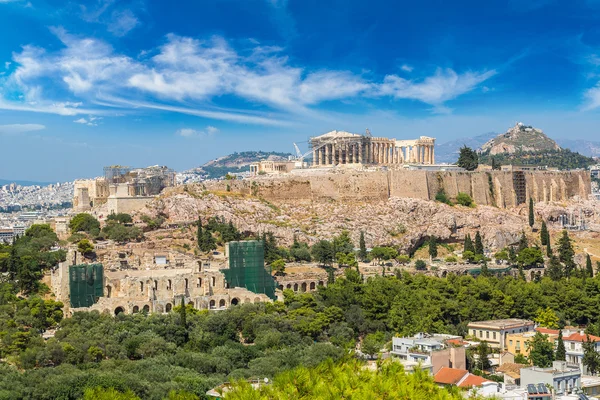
x=88, y=84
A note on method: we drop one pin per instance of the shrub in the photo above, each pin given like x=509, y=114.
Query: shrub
x=403, y=259
x=464, y=200
x=420, y=265
x=451, y=259
x=83, y=223
x=442, y=197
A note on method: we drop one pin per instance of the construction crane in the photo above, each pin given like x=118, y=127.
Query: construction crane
x=368, y=133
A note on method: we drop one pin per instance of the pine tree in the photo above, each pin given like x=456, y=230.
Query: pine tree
x=523, y=242
x=468, y=159
x=560, y=348
x=589, y=270
x=478, y=244
x=512, y=255
x=469, y=244
x=362, y=254
x=544, y=235
x=13, y=265
x=555, y=269
x=433, y=247
x=566, y=253
x=531, y=214
x=484, y=269
x=330, y=276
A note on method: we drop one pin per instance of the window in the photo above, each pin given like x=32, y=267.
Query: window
x=141, y=286
x=572, y=346
x=494, y=335
x=169, y=285
x=199, y=284
x=480, y=333
x=487, y=334
x=510, y=342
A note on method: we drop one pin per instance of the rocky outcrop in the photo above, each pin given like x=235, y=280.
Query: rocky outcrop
x=519, y=138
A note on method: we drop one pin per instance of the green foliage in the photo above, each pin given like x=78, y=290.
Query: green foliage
x=278, y=266
x=372, y=343
x=464, y=200
x=119, y=232
x=561, y=159
x=521, y=359
x=99, y=393
x=530, y=257
x=555, y=269
x=468, y=159
x=531, y=213
x=420, y=265
x=483, y=361
x=300, y=251
x=478, y=244
x=442, y=197
x=451, y=259
x=152, y=223
x=502, y=255
x=433, y=247
x=362, y=253
x=84, y=222
x=589, y=270
x=566, y=253
x=85, y=247
x=547, y=318
x=523, y=242
x=343, y=243
x=383, y=253
x=121, y=218
x=544, y=234
x=403, y=259
x=541, y=351
x=468, y=244
x=561, y=352
x=591, y=357
x=323, y=252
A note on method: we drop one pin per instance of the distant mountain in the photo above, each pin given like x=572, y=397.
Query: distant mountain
x=235, y=163
x=520, y=138
x=448, y=152
x=24, y=183
x=585, y=147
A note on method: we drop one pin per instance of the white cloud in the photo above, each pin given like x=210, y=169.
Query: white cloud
x=406, y=68
x=443, y=86
x=592, y=98
x=81, y=121
x=16, y=129
x=188, y=132
x=122, y=22
x=7, y=65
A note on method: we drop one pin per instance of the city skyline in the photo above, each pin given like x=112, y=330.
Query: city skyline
x=143, y=82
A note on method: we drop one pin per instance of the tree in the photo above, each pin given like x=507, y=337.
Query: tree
x=433, y=247
x=322, y=251
x=468, y=159
x=468, y=244
x=530, y=257
x=591, y=358
x=362, y=253
x=541, y=351
x=589, y=270
x=548, y=249
x=200, y=235
x=484, y=269
x=478, y=244
x=121, y=218
x=85, y=247
x=561, y=352
x=464, y=199
x=372, y=343
x=555, y=269
x=523, y=242
x=597, y=267
x=278, y=266
x=343, y=243
x=495, y=165
x=531, y=213
x=84, y=222
x=483, y=362
x=547, y=318
x=544, y=234
x=521, y=359
x=566, y=253
x=420, y=265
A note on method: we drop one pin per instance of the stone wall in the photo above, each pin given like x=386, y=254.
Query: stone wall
x=494, y=188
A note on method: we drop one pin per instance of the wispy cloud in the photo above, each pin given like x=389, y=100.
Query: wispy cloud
x=188, y=132
x=90, y=121
x=119, y=22
x=16, y=129
x=122, y=22
x=406, y=68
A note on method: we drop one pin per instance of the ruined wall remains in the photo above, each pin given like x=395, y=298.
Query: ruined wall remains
x=494, y=188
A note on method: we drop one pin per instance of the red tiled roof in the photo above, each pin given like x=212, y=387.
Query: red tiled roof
x=547, y=331
x=449, y=376
x=458, y=342
x=578, y=337
x=473, y=380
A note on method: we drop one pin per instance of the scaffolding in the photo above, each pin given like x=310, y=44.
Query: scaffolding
x=520, y=187
x=116, y=173
x=247, y=268
x=85, y=284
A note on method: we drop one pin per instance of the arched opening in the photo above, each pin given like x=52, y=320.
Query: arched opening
x=146, y=309
x=169, y=284
x=214, y=281
x=313, y=286
x=289, y=286
x=256, y=300
x=295, y=287
x=212, y=304
x=108, y=290
x=136, y=309
x=280, y=287
x=444, y=274
x=119, y=310
x=320, y=283
x=221, y=303
x=235, y=301
x=142, y=287
x=199, y=283
x=186, y=283
x=532, y=275
x=303, y=287
x=168, y=307
x=155, y=284
x=246, y=300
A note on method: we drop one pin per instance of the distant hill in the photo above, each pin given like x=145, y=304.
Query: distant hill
x=519, y=138
x=448, y=152
x=585, y=147
x=235, y=163
x=23, y=183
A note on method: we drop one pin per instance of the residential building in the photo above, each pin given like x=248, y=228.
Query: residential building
x=590, y=385
x=562, y=377
x=494, y=331
x=574, y=348
x=430, y=350
x=466, y=380
x=518, y=343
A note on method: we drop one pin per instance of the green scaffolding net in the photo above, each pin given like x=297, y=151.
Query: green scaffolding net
x=247, y=268
x=85, y=284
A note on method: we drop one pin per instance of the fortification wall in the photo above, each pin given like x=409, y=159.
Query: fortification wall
x=494, y=188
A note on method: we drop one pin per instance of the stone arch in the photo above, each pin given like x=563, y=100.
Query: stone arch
x=313, y=286
x=256, y=300
x=444, y=273
x=280, y=287
x=186, y=283
x=119, y=310
x=146, y=308
x=321, y=283
x=289, y=286
x=222, y=303
x=235, y=301
x=303, y=287
x=142, y=286
x=168, y=307
x=295, y=287
x=136, y=309
x=169, y=284
x=199, y=282
x=247, y=300
x=212, y=304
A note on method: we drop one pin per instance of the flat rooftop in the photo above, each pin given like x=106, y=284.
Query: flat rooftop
x=500, y=323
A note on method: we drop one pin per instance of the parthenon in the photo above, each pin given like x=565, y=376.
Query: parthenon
x=339, y=147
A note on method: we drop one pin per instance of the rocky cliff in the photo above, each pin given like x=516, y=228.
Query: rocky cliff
x=519, y=138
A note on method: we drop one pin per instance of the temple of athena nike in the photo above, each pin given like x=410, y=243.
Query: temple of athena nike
x=339, y=147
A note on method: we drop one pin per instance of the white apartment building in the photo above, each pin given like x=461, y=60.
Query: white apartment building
x=574, y=348
x=494, y=331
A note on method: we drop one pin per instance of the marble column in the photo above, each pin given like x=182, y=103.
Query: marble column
x=432, y=154
x=327, y=154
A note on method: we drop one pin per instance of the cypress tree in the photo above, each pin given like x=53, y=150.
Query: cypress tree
x=555, y=270
x=561, y=353
x=478, y=244
x=566, y=253
x=523, y=242
x=512, y=256
x=362, y=254
x=548, y=249
x=183, y=320
x=469, y=244
x=531, y=215
x=433, y=247
x=484, y=269
x=544, y=234
x=589, y=270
